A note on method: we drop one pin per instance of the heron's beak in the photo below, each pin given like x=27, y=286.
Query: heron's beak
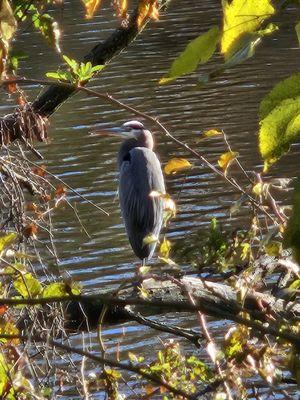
x=119, y=132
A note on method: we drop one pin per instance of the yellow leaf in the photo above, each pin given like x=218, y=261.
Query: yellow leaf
x=144, y=270
x=143, y=292
x=6, y=240
x=165, y=248
x=258, y=189
x=226, y=159
x=177, y=164
x=245, y=250
x=212, y=132
x=149, y=239
x=273, y=249
x=123, y=6
x=241, y=17
x=167, y=261
x=91, y=7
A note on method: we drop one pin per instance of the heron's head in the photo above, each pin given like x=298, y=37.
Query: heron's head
x=132, y=130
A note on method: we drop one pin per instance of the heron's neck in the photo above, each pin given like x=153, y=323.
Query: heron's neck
x=130, y=144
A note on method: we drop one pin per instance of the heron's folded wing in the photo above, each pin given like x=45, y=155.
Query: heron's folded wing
x=142, y=213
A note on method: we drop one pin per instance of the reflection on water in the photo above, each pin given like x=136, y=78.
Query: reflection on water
x=88, y=163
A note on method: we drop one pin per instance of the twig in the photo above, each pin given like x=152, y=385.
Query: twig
x=185, y=333
x=63, y=182
x=131, y=368
x=153, y=120
x=215, y=311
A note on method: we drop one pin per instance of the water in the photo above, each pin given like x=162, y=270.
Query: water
x=88, y=163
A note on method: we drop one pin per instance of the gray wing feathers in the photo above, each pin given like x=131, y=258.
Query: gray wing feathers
x=142, y=214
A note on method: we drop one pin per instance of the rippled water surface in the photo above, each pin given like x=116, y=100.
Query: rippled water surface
x=88, y=164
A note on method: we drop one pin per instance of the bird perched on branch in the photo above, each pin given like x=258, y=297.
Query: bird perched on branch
x=140, y=176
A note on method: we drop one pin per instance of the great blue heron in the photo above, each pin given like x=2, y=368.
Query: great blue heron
x=139, y=174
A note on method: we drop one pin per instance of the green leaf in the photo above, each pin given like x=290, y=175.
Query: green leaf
x=4, y=374
x=97, y=68
x=8, y=328
x=198, y=51
x=241, y=17
x=54, y=75
x=48, y=28
x=288, y=88
x=7, y=240
x=27, y=285
x=292, y=232
x=278, y=130
x=59, y=289
x=72, y=63
x=293, y=127
x=245, y=45
x=297, y=29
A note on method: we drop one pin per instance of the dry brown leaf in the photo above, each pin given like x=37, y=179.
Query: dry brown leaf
x=147, y=9
x=39, y=171
x=60, y=191
x=30, y=230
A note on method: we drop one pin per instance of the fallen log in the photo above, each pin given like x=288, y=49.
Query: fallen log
x=214, y=299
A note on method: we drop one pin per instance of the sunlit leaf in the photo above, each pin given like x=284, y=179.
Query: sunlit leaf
x=167, y=260
x=244, y=48
x=144, y=293
x=241, y=17
x=91, y=6
x=169, y=205
x=59, y=289
x=279, y=130
x=165, y=248
x=7, y=327
x=246, y=249
x=198, y=51
x=177, y=164
x=147, y=9
x=27, y=285
x=132, y=357
x=150, y=239
x=7, y=29
x=258, y=189
x=48, y=28
x=113, y=373
x=273, y=249
x=4, y=374
x=73, y=64
x=297, y=29
x=144, y=270
x=293, y=127
x=286, y=89
x=292, y=232
x=7, y=239
x=212, y=132
x=226, y=159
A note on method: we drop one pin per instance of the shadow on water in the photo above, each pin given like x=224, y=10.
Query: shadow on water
x=88, y=164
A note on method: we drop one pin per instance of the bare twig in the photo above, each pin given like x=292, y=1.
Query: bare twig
x=154, y=121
